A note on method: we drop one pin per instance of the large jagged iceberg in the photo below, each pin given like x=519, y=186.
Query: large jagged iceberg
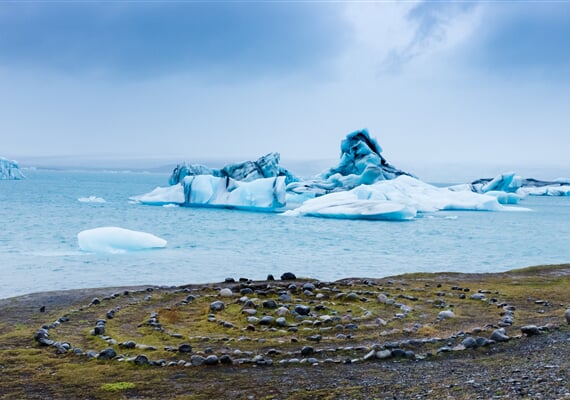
x=362, y=186
x=9, y=169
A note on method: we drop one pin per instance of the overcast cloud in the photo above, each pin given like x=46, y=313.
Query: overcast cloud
x=443, y=82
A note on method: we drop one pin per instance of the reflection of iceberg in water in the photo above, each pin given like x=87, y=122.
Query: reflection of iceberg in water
x=9, y=169
x=362, y=186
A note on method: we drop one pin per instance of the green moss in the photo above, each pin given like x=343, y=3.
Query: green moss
x=117, y=386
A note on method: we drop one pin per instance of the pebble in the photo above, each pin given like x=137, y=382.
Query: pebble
x=281, y=321
x=270, y=304
x=266, y=320
x=141, y=360
x=383, y=354
x=530, y=330
x=197, y=360
x=288, y=276
x=469, y=343
x=567, y=316
x=446, y=314
x=499, y=335
x=302, y=309
x=107, y=354
x=217, y=306
x=211, y=360
x=282, y=311
x=477, y=296
x=225, y=292
x=307, y=351
x=185, y=348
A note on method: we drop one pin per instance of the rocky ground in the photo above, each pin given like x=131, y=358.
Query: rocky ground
x=434, y=336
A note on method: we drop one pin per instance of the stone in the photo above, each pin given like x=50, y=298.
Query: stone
x=217, y=306
x=226, y=359
x=245, y=291
x=141, y=360
x=482, y=342
x=282, y=311
x=266, y=320
x=567, y=316
x=352, y=296
x=307, y=351
x=212, y=360
x=107, y=354
x=110, y=314
x=129, y=344
x=270, y=304
x=446, y=314
x=530, y=330
x=185, y=348
x=499, y=335
x=288, y=276
x=95, y=301
x=302, y=309
x=383, y=354
x=469, y=343
x=225, y=292
x=309, y=286
x=281, y=321
x=270, y=277
x=477, y=296
x=197, y=360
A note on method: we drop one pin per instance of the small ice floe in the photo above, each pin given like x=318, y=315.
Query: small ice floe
x=114, y=240
x=91, y=199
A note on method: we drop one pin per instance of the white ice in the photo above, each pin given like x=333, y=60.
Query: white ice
x=9, y=169
x=397, y=199
x=162, y=195
x=117, y=240
x=91, y=199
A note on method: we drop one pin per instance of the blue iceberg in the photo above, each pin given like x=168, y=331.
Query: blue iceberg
x=9, y=169
x=362, y=186
x=508, y=186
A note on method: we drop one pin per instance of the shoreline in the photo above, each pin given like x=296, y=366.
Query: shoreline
x=423, y=335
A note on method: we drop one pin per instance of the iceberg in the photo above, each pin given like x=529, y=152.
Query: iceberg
x=362, y=186
x=515, y=185
x=264, y=167
x=399, y=199
x=9, y=169
x=117, y=240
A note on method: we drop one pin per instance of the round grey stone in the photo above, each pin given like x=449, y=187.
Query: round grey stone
x=185, y=348
x=217, y=306
x=288, y=276
x=211, y=360
x=107, y=354
x=266, y=320
x=141, y=360
x=499, y=335
x=302, y=309
x=197, y=360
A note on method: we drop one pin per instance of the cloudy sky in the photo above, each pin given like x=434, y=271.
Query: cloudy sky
x=434, y=82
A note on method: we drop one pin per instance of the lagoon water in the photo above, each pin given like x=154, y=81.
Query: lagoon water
x=41, y=216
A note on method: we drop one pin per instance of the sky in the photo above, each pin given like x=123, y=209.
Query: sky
x=436, y=82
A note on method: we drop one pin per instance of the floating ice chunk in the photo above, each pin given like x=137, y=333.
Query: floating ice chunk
x=505, y=197
x=552, y=190
x=399, y=198
x=162, y=195
x=91, y=199
x=9, y=170
x=510, y=183
x=117, y=240
x=345, y=205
